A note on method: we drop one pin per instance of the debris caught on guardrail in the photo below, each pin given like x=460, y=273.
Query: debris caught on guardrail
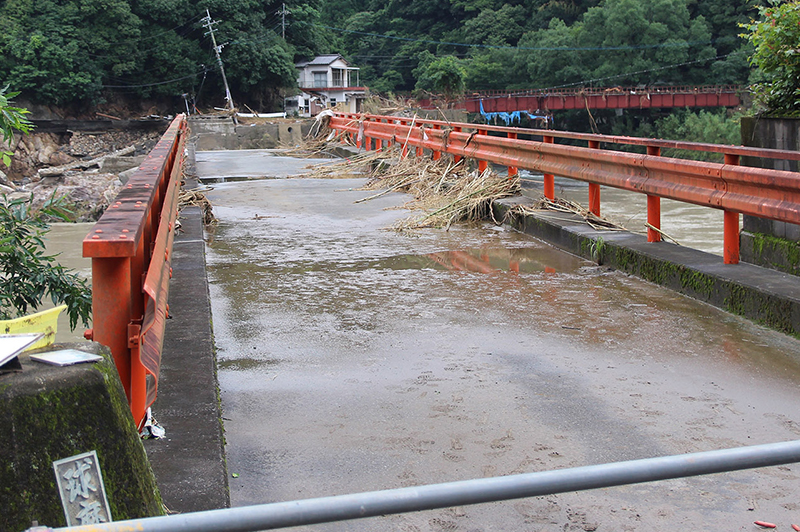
x=568, y=207
x=196, y=197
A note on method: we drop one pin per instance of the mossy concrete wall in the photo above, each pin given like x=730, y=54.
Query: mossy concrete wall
x=768, y=298
x=765, y=242
x=48, y=413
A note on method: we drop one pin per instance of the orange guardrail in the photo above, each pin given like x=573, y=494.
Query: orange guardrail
x=772, y=194
x=130, y=247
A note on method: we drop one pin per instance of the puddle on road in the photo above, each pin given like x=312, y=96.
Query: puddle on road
x=486, y=260
x=234, y=179
x=478, y=260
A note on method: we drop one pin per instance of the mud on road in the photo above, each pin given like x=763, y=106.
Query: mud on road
x=353, y=358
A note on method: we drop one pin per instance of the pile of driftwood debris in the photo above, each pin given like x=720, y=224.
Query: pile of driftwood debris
x=443, y=191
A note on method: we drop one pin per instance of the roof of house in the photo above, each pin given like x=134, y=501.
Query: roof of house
x=321, y=60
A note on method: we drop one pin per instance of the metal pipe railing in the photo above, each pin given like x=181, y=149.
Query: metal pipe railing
x=606, y=140
x=376, y=503
x=766, y=193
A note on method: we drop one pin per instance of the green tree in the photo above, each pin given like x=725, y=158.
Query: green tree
x=11, y=119
x=501, y=27
x=490, y=70
x=440, y=74
x=775, y=37
x=714, y=127
x=27, y=274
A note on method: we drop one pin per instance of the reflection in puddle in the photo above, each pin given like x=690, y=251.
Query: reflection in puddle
x=486, y=260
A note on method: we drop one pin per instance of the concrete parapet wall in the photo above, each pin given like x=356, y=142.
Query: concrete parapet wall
x=764, y=296
x=48, y=413
x=765, y=242
x=223, y=134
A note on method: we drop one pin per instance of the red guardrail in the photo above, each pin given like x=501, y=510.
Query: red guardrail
x=130, y=247
x=773, y=194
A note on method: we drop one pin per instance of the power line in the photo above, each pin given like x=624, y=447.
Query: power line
x=154, y=84
x=532, y=48
x=647, y=71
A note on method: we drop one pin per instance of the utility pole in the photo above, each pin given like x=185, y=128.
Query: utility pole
x=283, y=12
x=209, y=24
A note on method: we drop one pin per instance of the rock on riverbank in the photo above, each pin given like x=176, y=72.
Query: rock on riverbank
x=86, y=178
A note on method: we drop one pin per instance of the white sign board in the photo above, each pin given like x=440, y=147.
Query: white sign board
x=80, y=485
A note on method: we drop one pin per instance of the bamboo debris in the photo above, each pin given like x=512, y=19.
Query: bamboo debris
x=662, y=233
x=444, y=192
x=568, y=207
x=195, y=197
x=359, y=165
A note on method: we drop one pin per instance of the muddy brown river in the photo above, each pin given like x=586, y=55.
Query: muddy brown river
x=353, y=358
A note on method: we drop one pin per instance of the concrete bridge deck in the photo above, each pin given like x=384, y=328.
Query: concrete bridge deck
x=351, y=359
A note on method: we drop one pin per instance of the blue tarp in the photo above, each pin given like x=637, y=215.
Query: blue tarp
x=509, y=118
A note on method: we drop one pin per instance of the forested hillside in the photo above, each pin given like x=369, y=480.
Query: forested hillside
x=88, y=51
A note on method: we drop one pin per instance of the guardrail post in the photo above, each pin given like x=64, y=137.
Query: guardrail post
x=512, y=170
x=378, y=140
x=457, y=158
x=111, y=311
x=420, y=150
x=404, y=146
x=138, y=397
x=731, y=226
x=594, y=188
x=437, y=154
x=653, y=206
x=549, y=179
x=482, y=165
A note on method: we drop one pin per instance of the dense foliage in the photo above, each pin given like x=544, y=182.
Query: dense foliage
x=66, y=51
x=11, y=119
x=775, y=35
x=27, y=274
x=545, y=43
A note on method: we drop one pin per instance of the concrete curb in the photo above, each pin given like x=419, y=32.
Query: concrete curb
x=765, y=296
x=190, y=462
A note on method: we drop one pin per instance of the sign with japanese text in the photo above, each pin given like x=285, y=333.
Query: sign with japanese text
x=80, y=485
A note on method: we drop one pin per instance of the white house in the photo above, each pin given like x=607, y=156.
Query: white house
x=326, y=81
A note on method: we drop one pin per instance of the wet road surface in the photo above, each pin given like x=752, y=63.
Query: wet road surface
x=352, y=358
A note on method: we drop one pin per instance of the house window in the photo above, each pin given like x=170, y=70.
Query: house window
x=338, y=77
x=320, y=79
x=333, y=102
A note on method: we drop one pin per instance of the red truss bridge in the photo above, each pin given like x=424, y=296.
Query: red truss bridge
x=543, y=101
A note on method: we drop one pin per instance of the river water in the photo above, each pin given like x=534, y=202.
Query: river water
x=354, y=358
x=65, y=241
x=689, y=225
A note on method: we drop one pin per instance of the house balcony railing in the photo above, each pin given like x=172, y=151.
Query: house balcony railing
x=310, y=83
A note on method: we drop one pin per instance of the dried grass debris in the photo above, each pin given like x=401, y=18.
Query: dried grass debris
x=196, y=197
x=567, y=207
